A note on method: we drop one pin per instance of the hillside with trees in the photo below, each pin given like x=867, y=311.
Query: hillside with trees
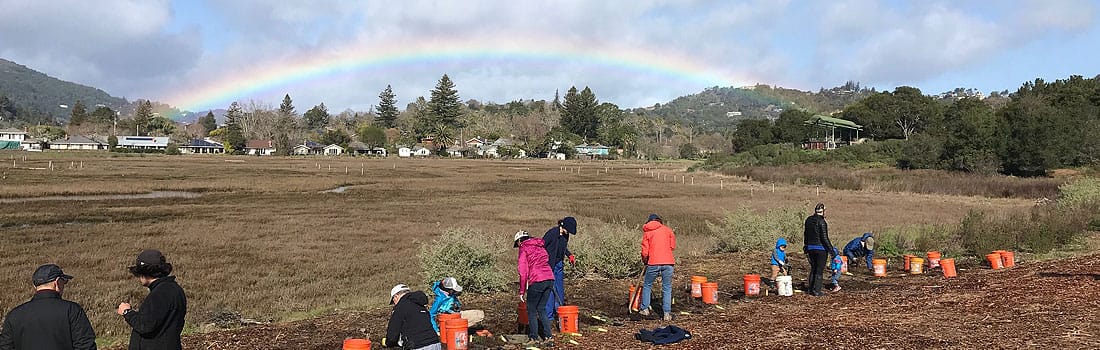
x=723, y=107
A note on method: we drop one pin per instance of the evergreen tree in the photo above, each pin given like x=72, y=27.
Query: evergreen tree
x=208, y=122
x=579, y=115
x=445, y=109
x=557, y=101
x=79, y=114
x=142, y=117
x=103, y=115
x=286, y=123
x=316, y=117
x=287, y=107
x=387, y=108
x=234, y=135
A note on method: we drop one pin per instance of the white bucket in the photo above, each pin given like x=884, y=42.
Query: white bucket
x=786, y=287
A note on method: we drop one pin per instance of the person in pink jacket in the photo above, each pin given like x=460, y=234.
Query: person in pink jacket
x=536, y=281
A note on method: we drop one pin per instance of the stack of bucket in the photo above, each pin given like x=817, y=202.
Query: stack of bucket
x=453, y=330
x=1000, y=259
x=706, y=291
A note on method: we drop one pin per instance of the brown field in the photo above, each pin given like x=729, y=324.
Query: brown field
x=263, y=241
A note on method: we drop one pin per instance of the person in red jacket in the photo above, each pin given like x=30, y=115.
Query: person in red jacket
x=657, y=245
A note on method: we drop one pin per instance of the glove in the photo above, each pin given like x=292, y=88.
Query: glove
x=522, y=298
x=573, y=260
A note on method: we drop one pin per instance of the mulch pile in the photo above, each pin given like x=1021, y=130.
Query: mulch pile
x=1040, y=304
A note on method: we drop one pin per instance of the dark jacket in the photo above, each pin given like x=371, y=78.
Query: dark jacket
x=159, y=321
x=47, y=322
x=410, y=323
x=817, y=234
x=557, y=245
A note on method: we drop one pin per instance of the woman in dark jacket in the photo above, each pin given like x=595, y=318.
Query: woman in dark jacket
x=817, y=247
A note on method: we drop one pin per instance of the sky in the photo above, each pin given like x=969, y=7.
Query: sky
x=199, y=54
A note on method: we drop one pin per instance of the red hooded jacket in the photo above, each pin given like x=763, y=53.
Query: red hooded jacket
x=658, y=244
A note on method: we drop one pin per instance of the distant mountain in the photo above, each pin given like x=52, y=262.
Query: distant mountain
x=719, y=107
x=42, y=94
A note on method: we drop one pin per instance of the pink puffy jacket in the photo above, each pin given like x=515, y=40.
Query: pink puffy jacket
x=534, y=264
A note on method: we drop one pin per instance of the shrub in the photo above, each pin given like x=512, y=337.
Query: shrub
x=609, y=250
x=172, y=150
x=1080, y=192
x=470, y=256
x=746, y=230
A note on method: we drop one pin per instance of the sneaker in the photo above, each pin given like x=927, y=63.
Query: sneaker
x=837, y=288
x=667, y=317
x=644, y=312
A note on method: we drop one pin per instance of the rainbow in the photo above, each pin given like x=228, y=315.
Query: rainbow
x=279, y=73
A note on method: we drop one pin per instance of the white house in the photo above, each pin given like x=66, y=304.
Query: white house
x=308, y=148
x=476, y=142
x=202, y=146
x=77, y=142
x=404, y=152
x=259, y=147
x=421, y=151
x=12, y=138
x=142, y=142
x=489, y=151
x=333, y=150
x=31, y=145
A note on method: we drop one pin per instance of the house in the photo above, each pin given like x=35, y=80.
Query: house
x=594, y=150
x=308, y=148
x=12, y=138
x=826, y=128
x=31, y=145
x=460, y=151
x=357, y=148
x=404, y=151
x=259, y=147
x=202, y=146
x=333, y=150
x=503, y=141
x=476, y=142
x=488, y=151
x=421, y=151
x=142, y=142
x=77, y=142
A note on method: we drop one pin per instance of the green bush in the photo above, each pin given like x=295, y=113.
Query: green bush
x=470, y=256
x=608, y=250
x=1079, y=192
x=172, y=150
x=746, y=230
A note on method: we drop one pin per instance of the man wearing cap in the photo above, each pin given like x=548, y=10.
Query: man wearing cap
x=557, y=247
x=409, y=326
x=159, y=321
x=861, y=247
x=658, y=242
x=817, y=247
x=47, y=322
x=446, y=299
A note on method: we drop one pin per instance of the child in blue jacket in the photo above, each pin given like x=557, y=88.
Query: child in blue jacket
x=779, y=259
x=446, y=299
x=836, y=266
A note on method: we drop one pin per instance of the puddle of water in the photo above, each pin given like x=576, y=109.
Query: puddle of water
x=106, y=197
x=340, y=189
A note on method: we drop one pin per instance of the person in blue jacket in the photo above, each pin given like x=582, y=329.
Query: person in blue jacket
x=861, y=247
x=836, y=266
x=446, y=299
x=779, y=260
x=557, y=248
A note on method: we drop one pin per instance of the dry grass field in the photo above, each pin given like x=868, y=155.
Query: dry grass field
x=263, y=241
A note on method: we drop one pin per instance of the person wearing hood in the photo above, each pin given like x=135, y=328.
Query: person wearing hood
x=860, y=247
x=658, y=243
x=557, y=248
x=536, y=283
x=409, y=326
x=446, y=301
x=779, y=259
x=817, y=247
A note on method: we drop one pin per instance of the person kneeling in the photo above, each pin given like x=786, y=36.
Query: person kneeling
x=410, y=326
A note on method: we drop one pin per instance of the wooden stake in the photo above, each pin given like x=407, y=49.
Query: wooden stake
x=722, y=184
x=693, y=181
x=773, y=188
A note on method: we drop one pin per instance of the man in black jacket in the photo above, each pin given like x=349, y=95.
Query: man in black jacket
x=817, y=247
x=410, y=324
x=48, y=322
x=159, y=321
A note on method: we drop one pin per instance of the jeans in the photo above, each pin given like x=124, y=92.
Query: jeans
x=651, y=272
x=558, y=298
x=435, y=346
x=836, y=277
x=539, y=293
x=818, y=259
x=853, y=260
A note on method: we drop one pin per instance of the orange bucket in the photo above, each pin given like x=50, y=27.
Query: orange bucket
x=457, y=339
x=568, y=315
x=908, y=260
x=443, y=318
x=356, y=344
x=1008, y=259
x=844, y=265
x=916, y=266
x=752, y=285
x=948, y=266
x=710, y=292
x=697, y=286
x=635, y=298
x=521, y=312
x=934, y=259
x=994, y=261
x=880, y=267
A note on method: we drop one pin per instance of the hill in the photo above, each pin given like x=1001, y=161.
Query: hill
x=720, y=107
x=38, y=93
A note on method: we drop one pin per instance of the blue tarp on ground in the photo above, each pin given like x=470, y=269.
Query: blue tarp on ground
x=9, y=145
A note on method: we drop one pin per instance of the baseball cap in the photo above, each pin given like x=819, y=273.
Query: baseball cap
x=869, y=243
x=452, y=284
x=653, y=217
x=569, y=223
x=48, y=273
x=150, y=257
x=398, y=289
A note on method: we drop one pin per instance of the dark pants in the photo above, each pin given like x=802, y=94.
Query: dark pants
x=818, y=259
x=539, y=293
x=558, y=298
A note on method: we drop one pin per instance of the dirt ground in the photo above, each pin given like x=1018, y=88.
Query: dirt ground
x=1035, y=304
